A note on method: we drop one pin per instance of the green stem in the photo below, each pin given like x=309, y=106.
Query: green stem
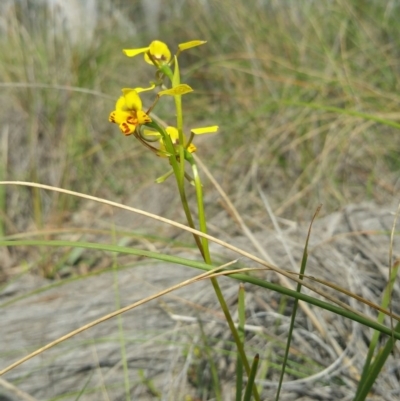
x=176, y=80
x=242, y=321
x=166, y=70
x=179, y=118
x=200, y=206
x=214, y=281
x=179, y=173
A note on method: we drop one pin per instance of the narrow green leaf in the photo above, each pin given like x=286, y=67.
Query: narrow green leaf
x=338, y=110
x=204, y=266
x=295, y=305
x=368, y=369
x=376, y=367
x=207, y=258
x=250, y=383
x=213, y=367
x=239, y=363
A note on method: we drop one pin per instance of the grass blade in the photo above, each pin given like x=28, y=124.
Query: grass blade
x=371, y=372
x=296, y=303
x=213, y=367
x=242, y=320
x=376, y=367
x=367, y=369
x=203, y=266
x=252, y=377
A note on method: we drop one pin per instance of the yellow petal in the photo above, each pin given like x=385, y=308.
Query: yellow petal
x=127, y=128
x=173, y=133
x=177, y=90
x=119, y=116
x=138, y=90
x=142, y=117
x=121, y=104
x=159, y=51
x=135, y=52
x=205, y=130
x=189, y=45
x=132, y=99
x=111, y=117
x=191, y=148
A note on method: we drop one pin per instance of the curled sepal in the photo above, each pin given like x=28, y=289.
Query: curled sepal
x=138, y=90
x=205, y=130
x=150, y=135
x=189, y=45
x=180, y=89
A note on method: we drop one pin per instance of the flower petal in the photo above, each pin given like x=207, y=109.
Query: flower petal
x=142, y=117
x=135, y=52
x=205, y=130
x=189, y=45
x=159, y=51
x=121, y=104
x=173, y=133
x=119, y=116
x=177, y=90
x=191, y=148
x=127, y=128
x=138, y=90
x=132, y=99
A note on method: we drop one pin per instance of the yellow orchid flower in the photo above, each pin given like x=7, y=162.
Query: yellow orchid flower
x=128, y=113
x=157, y=53
x=174, y=135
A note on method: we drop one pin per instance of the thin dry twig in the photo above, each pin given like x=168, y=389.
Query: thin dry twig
x=22, y=396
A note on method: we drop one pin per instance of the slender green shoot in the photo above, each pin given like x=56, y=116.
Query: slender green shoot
x=375, y=338
x=242, y=335
x=252, y=377
x=295, y=305
x=213, y=367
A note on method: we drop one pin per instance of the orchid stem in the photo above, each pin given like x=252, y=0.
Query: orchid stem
x=214, y=281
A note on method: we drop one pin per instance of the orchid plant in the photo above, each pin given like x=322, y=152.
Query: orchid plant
x=171, y=142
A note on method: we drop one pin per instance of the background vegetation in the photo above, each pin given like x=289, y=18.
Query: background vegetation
x=296, y=87
x=305, y=94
